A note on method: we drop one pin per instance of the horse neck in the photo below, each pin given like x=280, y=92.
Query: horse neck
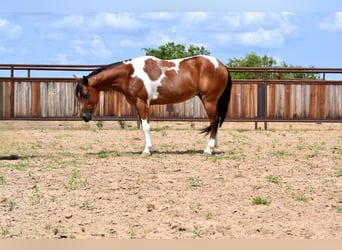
x=109, y=78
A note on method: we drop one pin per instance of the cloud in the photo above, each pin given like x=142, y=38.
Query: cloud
x=118, y=21
x=262, y=38
x=9, y=30
x=93, y=47
x=257, y=29
x=98, y=48
x=332, y=23
x=103, y=21
x=159, y=16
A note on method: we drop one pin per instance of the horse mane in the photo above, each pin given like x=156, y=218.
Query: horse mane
x=100, y=69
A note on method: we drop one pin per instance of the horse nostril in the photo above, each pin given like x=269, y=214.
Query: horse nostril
x=86, y=116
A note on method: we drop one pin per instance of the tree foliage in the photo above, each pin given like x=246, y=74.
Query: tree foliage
x=253, y=60
x=171, y=50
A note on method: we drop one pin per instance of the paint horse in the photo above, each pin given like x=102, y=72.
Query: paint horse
x=147, y=80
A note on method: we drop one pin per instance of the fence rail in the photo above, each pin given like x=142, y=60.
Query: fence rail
x=46, y=92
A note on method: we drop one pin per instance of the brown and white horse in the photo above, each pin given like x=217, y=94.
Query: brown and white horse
x=148, y=80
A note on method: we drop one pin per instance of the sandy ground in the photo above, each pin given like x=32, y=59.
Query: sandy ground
x=78, y=180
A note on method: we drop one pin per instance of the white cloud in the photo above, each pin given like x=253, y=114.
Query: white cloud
x=232, y=20
x=94, y=47
x=98, y=48
x=9, y=30
x=254, y=18
x=257, y=29
x=159, y=16
x=103, y=21
x=61, y=58
x=129, y=43
x=333, y=23
x=262, y=38
x=195, y=16
x=114, y=20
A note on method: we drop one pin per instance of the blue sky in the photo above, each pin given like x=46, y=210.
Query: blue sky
x=308, y=33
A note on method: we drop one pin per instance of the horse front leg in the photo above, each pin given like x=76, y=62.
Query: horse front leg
x=143, y=112
x=146, y=129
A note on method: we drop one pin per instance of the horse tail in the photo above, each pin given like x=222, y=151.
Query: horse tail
x=223, y=102
x=222, y=106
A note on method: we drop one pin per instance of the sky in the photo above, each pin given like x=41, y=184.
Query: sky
x=301, y=32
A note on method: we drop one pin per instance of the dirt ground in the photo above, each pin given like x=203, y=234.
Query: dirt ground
x=77, y=180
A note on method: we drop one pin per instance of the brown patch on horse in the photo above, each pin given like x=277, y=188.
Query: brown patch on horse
x=152, y=69
x=167, y=64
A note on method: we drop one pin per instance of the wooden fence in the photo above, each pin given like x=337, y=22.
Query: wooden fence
x=263, y=99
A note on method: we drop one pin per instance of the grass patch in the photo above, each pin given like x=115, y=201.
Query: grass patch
x=301, y=197
x=280, y=153
x=258, y=200
x=74, y=182
x=37, y=195
x=273, y=178
x=12, y=204
x=194, y=181
x=339, y=209
x=2, y=180
x=88, y=205
x=338, y=172
x=17, y=165
x=337, y=150
x=197, y=233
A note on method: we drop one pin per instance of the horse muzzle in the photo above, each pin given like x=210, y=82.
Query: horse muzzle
x=87, y=116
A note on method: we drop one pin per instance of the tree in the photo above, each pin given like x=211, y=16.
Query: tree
x=171, y=50
x=253, y=60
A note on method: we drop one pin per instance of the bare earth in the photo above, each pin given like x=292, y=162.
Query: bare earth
x=74, y=180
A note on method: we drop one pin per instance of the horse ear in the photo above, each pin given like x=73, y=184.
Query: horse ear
x=85, y=80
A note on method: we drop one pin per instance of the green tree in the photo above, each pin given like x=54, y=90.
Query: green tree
x=171, y=50
x=253, y=60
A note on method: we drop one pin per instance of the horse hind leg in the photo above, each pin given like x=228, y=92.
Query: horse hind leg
x=213, y=138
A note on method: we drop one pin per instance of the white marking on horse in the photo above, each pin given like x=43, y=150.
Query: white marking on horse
x=213, y=60
x=146, y=128
x=150, y=85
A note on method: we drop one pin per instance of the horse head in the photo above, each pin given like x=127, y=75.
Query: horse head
x=88, y=97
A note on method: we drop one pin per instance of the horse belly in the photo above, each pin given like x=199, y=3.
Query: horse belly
x=171, y=93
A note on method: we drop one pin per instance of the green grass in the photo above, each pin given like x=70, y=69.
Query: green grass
x=301, y=197
x=339, y=209
x=74, y=182
x=2, y=180
x=337, y=150
x=88, y=205
x=258, y=200
x=280, y=153
x=12, y=204
x=338, y=172
x=197, y=233
x=194, y=181
x=273, y=178
x=37, y=195
x=17, y=165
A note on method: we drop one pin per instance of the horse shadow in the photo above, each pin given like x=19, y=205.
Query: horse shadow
x=176, y=152
x=107, y=153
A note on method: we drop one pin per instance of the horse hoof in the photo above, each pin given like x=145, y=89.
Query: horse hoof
x=207, y=152
x=145, y=154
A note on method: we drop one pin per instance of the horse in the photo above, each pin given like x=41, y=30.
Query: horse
x=147, y=80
